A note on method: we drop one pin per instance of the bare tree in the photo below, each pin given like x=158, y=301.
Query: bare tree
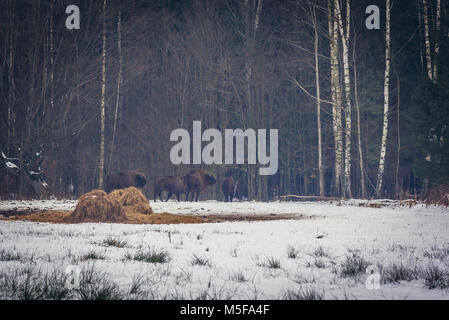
x=318, y=99
x=344, y=34
x=336, y=96
x=359, y=131
x=119, y=82
x=102, y=102
x=437, y=44
x=427, y=40
x=383, y=148
x=252, y=10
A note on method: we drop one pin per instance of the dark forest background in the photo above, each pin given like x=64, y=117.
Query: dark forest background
x=231, y=64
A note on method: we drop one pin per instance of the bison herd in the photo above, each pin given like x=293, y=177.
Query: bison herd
x=191, y=184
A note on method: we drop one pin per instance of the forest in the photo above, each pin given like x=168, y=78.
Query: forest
x=361, y=112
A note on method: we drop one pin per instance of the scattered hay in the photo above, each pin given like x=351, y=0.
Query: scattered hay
x=438, y=195
x=132, y=200
x=96, y=206
x=62, y=217
x=164, y=218
x=40, y=216
x=155, y=218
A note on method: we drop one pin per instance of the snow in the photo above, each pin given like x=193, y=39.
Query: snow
x=385, y=236
x=11, y=165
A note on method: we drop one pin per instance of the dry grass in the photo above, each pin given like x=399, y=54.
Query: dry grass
x=155, y=218
x=96, y=206
x=132, y=200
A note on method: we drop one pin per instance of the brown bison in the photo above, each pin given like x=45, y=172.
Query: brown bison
x=229, y=187
x=173, y=185
x=196, y=181
x=126, y=179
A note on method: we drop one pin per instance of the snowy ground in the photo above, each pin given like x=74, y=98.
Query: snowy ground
x=324, y=256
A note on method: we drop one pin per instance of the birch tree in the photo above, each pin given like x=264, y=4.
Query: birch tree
x=437, y=44
x=344, y=34
x=336, y=96
x=102, y=103
x=383, y=147
x=427, y=40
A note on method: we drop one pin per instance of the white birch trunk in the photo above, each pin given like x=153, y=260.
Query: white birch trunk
x=427, y=41
x=437, y=44
x=102, y=104
x=11, y=82
x=383, y=148
x=336, y=96
x=347, y=82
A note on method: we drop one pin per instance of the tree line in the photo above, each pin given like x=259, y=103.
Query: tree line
x=360, y=112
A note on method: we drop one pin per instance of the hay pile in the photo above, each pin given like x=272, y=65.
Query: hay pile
x=123, y=206
x=438, y=195
x=132, y=200
x=96, y=206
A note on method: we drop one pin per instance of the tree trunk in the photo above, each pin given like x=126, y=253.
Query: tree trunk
x=359, y=132
x=336, y=97
x=383, y=148
x=398, y=191
x=11, y=82
x=437, y=44
x=102, y=104
x=347, y=81
x=427, y=40
x=250, y=47
x=119, y=81
x=52, y=48
x=318, y=103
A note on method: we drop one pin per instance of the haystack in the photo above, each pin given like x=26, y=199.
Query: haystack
x=132, y=200
x=96, y=206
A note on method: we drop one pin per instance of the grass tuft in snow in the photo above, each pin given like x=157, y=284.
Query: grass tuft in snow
x=436, y=252
x=354, y=264
x=435, y=277
x=320, y=252
x=292, y=253
x=114, y=242
x=200, y=261
x=150, y=255
x=317, y=263
x=10, y=255
x=238, y=276
x=306, y=293
x=272, y=263
x=136, y=290
x=92, y=255
x=95, y=285
x=398, y=272
x=28, y=284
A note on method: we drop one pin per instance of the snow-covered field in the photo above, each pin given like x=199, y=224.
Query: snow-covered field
x=325, y=255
